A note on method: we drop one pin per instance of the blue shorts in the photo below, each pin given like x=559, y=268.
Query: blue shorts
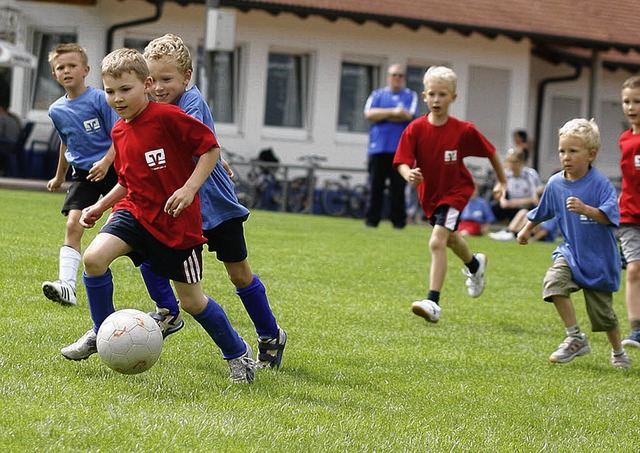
x=445, y=216
x=178, y=265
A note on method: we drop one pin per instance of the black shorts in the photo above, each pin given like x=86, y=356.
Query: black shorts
x=445, y=216
x=83, y=193
x=178, y=265
x=227, y=240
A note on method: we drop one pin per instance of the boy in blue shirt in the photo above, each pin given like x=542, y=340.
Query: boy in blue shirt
x=170, y=66
x=585, y=204
x=83, y=119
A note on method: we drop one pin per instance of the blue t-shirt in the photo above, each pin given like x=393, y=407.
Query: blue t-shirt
x=84, y=125
x=218, y=200
x=551, y=227
x=478, y=210
x=589, y=247
x=385, y=135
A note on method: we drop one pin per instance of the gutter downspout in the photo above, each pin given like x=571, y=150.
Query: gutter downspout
x=112, y=30
x=542, y=85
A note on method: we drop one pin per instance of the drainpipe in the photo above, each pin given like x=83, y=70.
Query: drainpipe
x=542, y=85
x=112, y=30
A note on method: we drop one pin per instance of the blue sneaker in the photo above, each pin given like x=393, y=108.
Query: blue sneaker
x=633, y=339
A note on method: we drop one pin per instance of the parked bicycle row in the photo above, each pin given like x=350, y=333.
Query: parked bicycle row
x=263, y=183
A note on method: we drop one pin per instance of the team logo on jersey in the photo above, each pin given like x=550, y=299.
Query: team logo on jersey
x=451, y=155
x=636, y=160
x=92, y=125
x=156, y=159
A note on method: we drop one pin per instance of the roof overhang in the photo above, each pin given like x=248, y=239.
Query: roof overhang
x=11, y=56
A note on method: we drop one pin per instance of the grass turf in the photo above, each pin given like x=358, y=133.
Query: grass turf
x=360, y=372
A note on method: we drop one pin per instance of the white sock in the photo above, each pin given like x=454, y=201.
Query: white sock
x=573, y=331
x=69, y=264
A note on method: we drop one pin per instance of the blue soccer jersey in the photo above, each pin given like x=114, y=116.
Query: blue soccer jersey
x=385, y=135
x=84, y=125
x=218, y=200
x=589, y=247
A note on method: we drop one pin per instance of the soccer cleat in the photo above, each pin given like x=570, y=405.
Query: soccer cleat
x=83, y=348
x=633, y=339
x=620, y=361
x=243, y=368
x=428, y=309
x=59, y=291
x=503, y=236
x=570, y=348
x=475, y=282
x=168, y=323
x=270, y=350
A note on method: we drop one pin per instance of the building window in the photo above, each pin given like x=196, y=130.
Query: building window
x=287, y=90
x=136, y=43
x=47, y=89
x=222, y=85
x=356, y=83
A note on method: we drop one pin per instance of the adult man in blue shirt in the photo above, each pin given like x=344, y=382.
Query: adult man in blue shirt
x=390, y=110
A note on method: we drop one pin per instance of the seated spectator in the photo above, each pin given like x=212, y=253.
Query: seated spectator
x=477, y=217
x=522, y=186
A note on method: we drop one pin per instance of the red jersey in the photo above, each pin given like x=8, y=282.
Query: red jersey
x=439, y=152
x=155, y=157
x=630, y=168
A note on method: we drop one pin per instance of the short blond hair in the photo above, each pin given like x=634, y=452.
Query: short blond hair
x=122, y=61
x=631, y=82
x=442, y=74
x=170, y=47
x=61, y=49
x=584, y=130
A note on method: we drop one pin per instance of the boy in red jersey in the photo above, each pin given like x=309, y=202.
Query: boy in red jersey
x=430, y=156
x=629, y=232
x=156, y=208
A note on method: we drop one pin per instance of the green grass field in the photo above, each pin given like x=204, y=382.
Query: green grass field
x=361, y=373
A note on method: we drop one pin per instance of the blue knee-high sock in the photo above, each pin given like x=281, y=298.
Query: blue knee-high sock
x=100, y=296
x=159, y=289
x=217, y=324
x=254, y=299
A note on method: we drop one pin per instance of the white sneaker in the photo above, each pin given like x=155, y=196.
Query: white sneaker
x=83, y=348
x=243, y=368
x=60, y=292
x=503, y=236
x=475, y=282
x=428, y=309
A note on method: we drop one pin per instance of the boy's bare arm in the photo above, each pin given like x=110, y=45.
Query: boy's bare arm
x=61, y=170
x=574, y=204
x=500, y=188
x=525, y=232
x=184, y=196
x=412, y=175
x=100, y=168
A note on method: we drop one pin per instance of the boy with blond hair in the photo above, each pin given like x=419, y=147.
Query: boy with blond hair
x=156, y=209
x=430, y=156
x=83, y=119
x=585, y=204
x=629, y=202
x=170, y=66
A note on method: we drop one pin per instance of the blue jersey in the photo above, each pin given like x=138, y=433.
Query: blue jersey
x=478, y=210
x=589, y=247
x=218, y=200
x=84, y=125
x=385, y=135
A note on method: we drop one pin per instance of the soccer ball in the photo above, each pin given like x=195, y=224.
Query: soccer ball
x=129, y=341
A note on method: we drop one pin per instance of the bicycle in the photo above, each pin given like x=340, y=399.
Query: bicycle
x=301, y=191
x=339, y=198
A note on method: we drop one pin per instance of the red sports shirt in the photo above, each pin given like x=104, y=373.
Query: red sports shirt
x=155, y=157
x=630, y=168
x=439, y=152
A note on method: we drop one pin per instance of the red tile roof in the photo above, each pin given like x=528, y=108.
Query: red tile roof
x=592, y=24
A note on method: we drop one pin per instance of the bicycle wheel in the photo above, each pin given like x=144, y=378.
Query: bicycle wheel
x=334, y=199
x=358, y=200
